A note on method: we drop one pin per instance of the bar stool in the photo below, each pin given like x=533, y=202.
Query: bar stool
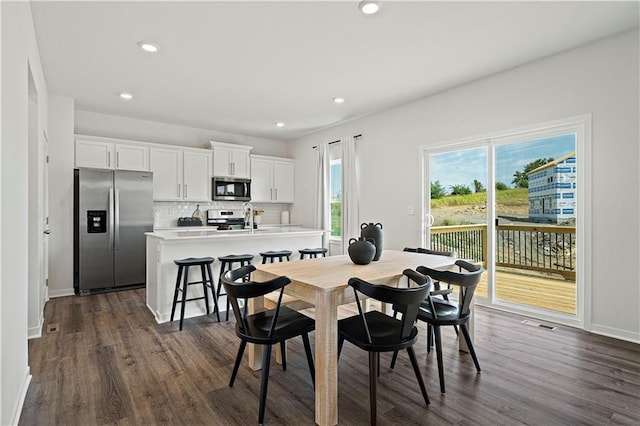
x=207, y=281
x=226, y=264
x=271, y=255
x=312, y=252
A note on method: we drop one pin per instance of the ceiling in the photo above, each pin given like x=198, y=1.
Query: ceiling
x=239, y=67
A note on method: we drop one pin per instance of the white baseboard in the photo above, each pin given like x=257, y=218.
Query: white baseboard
x=21, y=397
x=61, y=293
x=35, y=332
x=616, y=333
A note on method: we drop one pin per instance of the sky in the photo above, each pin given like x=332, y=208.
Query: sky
x=461, y=167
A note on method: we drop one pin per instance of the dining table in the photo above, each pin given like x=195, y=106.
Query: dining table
x=323, y=282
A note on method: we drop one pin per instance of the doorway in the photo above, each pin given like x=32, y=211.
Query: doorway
x=515, y=202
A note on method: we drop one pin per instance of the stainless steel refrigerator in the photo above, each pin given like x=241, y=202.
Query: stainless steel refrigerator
x=113, y=210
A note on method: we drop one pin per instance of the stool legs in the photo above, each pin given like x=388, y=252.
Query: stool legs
x=223, y=268
x=207, y=282
x=213, y=293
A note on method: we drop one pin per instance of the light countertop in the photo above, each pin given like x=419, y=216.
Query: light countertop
x=211, y=233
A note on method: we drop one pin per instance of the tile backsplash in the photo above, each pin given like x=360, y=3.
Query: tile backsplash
x=166, y=213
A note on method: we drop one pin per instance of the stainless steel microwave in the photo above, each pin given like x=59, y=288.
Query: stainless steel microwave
x=231, y=189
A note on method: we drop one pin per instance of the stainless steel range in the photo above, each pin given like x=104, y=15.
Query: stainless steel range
x=226, y=218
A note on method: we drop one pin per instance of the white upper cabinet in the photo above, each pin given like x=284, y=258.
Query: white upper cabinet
x=166, y=165
x=197, y=175
x=231, y=160
x=181, y=174
x=272, y=179
x=114, y=154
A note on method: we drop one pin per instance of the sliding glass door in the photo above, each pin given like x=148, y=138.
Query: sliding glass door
x=512, y=202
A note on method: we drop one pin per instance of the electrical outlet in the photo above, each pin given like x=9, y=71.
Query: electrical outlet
x=411, y=210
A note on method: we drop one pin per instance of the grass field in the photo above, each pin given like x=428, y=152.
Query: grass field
x=507, y=197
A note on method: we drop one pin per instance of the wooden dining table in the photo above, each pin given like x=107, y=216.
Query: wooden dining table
x=323, y=282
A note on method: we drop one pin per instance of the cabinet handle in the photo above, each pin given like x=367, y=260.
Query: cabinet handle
x=117, y=159
x=271, y=193
x=185, y=191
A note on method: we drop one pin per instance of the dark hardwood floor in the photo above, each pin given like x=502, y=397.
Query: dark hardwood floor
x=110, y=363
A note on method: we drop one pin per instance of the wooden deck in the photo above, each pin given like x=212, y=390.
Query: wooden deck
x=533, y=290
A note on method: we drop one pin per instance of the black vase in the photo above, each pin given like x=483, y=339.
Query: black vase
x=373, y=232
x=361, y=251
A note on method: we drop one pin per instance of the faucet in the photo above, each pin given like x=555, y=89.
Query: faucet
x=247, y=208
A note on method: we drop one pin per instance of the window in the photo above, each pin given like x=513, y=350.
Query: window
x=335, y=183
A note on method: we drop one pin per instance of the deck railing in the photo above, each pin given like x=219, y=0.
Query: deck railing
x=543, y=248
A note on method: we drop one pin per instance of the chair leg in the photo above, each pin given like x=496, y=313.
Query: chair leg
x=214, y=295
x=185, y=284
x=429, y=338
x=204, y=288
x=393, y=360
x=472, y=350
x=175, y=293
x=373, y=367
x=438, y=336
x=243, y=345
x=283, y=354
x=307, y=350
x=378, y=372
x=416, y=369
x=264, y=382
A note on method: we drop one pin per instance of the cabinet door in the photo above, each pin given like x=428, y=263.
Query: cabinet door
x=283, y=176
x=132, y=157
x=197, y=176
x=261, y=185
x=240, y=163
x=94, y=154
x=221, y=161
x=166, y=165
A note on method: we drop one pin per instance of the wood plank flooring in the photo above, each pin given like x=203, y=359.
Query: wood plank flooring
x=110, y=363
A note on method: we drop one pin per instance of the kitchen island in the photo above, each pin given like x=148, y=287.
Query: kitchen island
x=163, y=247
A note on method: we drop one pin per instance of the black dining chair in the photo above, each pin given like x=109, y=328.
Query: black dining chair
x=438, y=313
x=376, y=332
x=265, y=328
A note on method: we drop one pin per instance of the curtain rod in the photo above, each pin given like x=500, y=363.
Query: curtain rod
x=330, y=143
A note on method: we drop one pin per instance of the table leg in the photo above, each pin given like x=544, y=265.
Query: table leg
x=255, y=351
x=326, y=348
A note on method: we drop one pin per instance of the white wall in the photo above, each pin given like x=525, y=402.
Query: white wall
x=18, y=49
x=96, y=124
x=61, y=154
x=601, y=78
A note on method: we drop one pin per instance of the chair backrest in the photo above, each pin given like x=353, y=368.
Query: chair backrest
x=467, y=279
x=248, y=290
x=407, y=299
x=429, y=251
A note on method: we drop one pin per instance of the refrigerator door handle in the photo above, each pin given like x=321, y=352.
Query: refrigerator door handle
x=116, y=228
x=111, y=222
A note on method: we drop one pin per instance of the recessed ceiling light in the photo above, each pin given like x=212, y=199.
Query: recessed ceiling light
x=148, y=47
x=126, y=96
x=279, y=124
x=369, y=7
x=338, y=100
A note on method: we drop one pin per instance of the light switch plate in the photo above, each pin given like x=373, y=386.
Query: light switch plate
x=411, y=210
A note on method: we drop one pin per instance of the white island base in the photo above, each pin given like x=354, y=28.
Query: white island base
x=163, y=247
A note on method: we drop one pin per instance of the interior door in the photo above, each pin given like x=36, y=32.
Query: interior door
x=44, y=265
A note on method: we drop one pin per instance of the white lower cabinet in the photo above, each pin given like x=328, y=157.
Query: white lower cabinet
x=272, y=179
x=181, y=174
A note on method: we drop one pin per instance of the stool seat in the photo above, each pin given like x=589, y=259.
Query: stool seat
x=226, y=264
x=182, y=284
x=272, y=254
x=236, y=258
x=193, y=261
x=312, y=252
